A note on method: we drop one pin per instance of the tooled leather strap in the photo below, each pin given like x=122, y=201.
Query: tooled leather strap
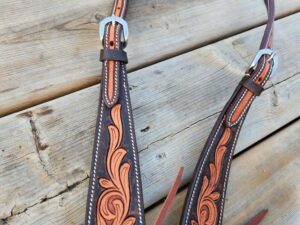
x=115, y=190
x=204, y=203
x=112, y=68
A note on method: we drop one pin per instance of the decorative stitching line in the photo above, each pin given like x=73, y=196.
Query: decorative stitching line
x=133, y=147
x=97, y=149
x=227, y=173
x=111, y=102
x=231, y=153
x=253, y=97
x=268, y=76
x=123, y=8
x=262, y=68
x=200, y=171
x=241, y=98
x=95, y=166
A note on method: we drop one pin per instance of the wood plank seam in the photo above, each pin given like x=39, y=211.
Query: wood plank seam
x=273, y=86
x=81, y=181
x=295, y=123
x=149, y=209
x=274, y=89
x=90, y=83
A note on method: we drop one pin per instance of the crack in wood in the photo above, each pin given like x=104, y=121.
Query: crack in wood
x=216, y=113
x=74, y=185
x=39, y=146
x=4, y=221
x=180, y=131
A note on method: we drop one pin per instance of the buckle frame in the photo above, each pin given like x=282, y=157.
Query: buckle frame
x=262, y=52
x=113, y=19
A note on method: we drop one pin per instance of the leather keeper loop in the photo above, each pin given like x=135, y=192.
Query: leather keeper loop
x=255, y=88
x=113, y=54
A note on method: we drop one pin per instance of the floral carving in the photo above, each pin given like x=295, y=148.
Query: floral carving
x=207, y=210
x=114, y=202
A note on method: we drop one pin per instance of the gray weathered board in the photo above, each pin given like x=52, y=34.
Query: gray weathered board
x=50, y=50
x=265, y=177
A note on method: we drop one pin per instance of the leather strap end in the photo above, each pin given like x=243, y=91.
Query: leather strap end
x=171, y=196
x=255, y=88
x=113, y=54
x=258, y=218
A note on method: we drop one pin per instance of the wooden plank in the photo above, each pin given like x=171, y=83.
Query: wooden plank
x=251, y=188
x=266, y=176
x=191, y=93
x=49, y=48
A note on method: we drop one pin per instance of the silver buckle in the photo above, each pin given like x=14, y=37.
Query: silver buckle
x=273, y=57
x=113, y=19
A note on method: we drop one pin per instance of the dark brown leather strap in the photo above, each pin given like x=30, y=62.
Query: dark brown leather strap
x=114, y=55
x=205, y=200
x=111, y=69
x=115, y=189
x=252, y=86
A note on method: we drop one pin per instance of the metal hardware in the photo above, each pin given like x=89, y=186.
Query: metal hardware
x=272, y=57
x=113, y=19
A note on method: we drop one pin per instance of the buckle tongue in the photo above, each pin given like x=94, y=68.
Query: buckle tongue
x=113, y=19
x=262, y=52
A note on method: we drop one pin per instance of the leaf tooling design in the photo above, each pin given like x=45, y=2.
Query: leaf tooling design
x=114, y=202
x=207, y=210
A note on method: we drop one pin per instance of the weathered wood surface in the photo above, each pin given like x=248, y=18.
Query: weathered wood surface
x=49, y=48
x=47, y=149
x=266, y=176
x=251, y=188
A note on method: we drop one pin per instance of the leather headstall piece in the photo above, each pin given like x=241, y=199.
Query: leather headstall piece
x=205, y=200
x=115, y=190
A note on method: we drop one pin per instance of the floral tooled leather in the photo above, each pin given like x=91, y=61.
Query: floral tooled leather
x=207, y=210
x=114, y=202
x=115, y=196
x=205, y=200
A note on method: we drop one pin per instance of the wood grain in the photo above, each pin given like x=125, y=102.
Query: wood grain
x=251, y=188
x=47, y=149
x=50, y=48
x=266, y=176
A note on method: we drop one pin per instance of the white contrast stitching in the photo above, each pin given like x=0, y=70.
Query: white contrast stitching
x=198, y=176
x=93, y=177
x=115, y=72
x=241, y=98
x=133, y=147
x=97, y=148
x=94, y=167
x=253, y=97
x=123, y=8
x=227, y=172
